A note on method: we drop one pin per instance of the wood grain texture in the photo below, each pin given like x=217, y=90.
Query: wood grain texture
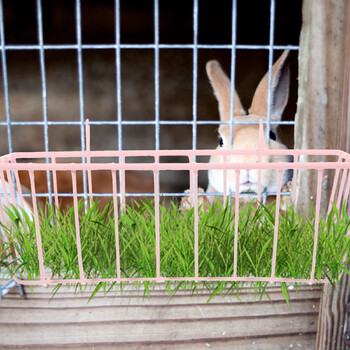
x=131, y=321
x=323, y=121
x=332, y=316
x=320, y=113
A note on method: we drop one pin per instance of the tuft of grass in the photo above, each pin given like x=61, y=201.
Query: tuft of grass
x=137, y=245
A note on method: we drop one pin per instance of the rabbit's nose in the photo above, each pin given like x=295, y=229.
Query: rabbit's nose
x=245, y=176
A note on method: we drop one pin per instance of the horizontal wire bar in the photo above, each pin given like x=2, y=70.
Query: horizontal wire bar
x=165, y=194
x=172, y=166
x=145, y=46
x=171, y=279
x=163, y=153
x=145, y=122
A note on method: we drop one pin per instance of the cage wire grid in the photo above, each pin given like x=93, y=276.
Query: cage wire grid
x=117, y=47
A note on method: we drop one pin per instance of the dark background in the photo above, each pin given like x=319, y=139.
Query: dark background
x=137, y=69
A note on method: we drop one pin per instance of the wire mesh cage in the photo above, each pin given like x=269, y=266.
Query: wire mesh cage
x=63, y=177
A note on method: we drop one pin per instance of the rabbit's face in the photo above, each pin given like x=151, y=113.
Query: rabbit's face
x=246, y=137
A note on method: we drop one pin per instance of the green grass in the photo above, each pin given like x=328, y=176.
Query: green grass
x=137, y=244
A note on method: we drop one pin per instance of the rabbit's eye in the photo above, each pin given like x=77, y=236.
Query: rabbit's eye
x=272, y=135
x=221, y=142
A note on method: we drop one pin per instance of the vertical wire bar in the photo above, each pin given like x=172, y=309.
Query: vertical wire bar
x=4, y=186
x=118, y=74
x=195, y=74
x=2, y=214
x=157, y=129
x=81, y=87
x=295, y=177
x=235, y=253
x=54, y=180
x=196, y=221
x=225, y=180
x=317, y=217
x=44, y=90
x=88, y=159
x=4, y=201
x=261, y=148
x=122, y=185
x=11, y=185
x=194, y=126
x=5, y=79
x=233, y=67
x=156, y=73
x=118, y=92
x=277, y=215
x=19, y=190
x=77, y=226
x=37, y=227
x=191, y=184
x=341, y=188
x=270, y=64
x=157, y=219
x=116, y=221
x=347, y=189
x=335, y=184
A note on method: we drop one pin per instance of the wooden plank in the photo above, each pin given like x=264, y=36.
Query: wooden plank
x=160, y=322
x=270, y=343
x=127, y=300
x=29, y=314
x=70, y=333
x=330, y=329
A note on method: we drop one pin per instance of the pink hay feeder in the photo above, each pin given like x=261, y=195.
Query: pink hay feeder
x=57, y=161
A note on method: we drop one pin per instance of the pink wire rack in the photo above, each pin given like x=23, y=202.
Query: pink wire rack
x=52, y=162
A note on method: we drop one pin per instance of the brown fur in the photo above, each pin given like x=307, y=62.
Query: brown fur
x=135, y=182
x=246, y=137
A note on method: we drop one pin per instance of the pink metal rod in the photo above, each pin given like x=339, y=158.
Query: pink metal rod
x=163, y=153
x=235, y=252
x=171, y=166
x=77, y=226
x=318, y=204
x=277, y=216
x=116, y=221
x=170, y=279
x=10, y=163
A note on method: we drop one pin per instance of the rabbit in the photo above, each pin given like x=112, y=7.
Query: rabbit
x=246, y=137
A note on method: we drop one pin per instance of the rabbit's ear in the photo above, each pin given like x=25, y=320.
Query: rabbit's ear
x=222, y=89
x=279, y=89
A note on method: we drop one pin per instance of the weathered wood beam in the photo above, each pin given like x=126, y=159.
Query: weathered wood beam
x=322, y=121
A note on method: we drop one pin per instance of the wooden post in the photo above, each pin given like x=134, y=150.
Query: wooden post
x=320, y=116
x=323, y=121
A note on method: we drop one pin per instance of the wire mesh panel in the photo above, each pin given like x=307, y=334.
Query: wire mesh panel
x=59, y=123
x=140, y=108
